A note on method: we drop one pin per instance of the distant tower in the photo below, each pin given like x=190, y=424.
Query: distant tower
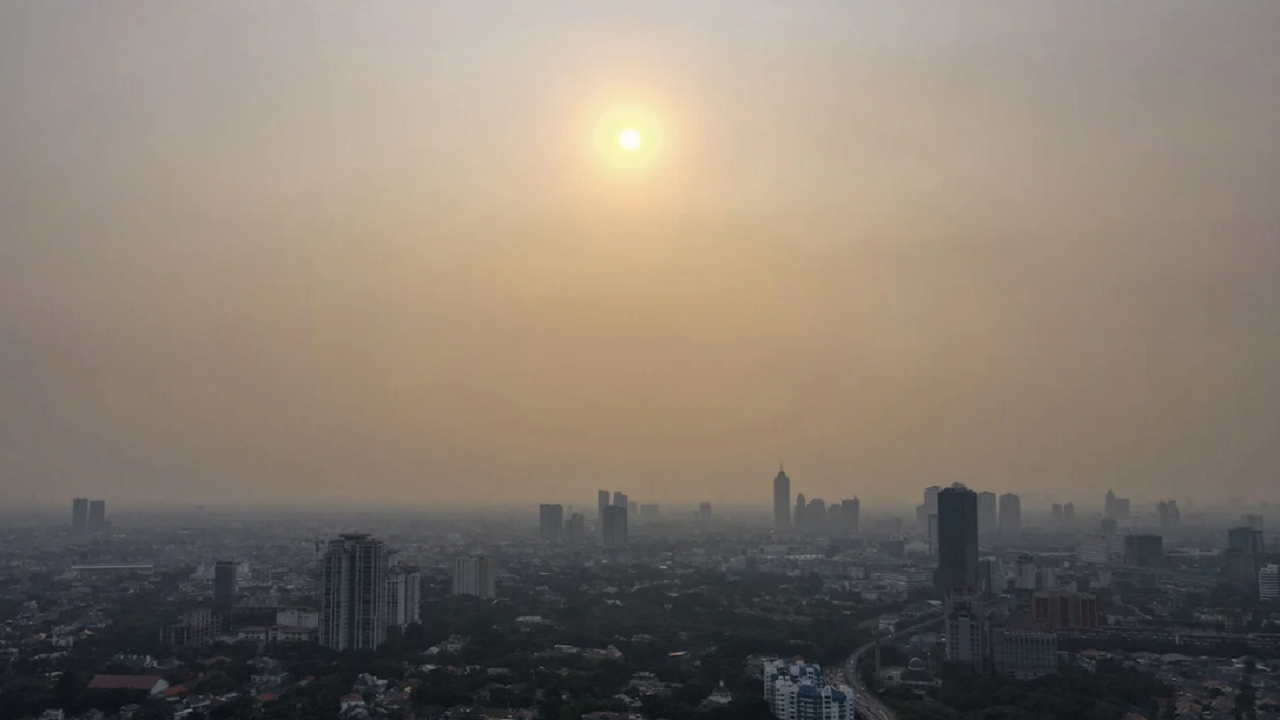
x=1110, y=508
x=353, y=604
x=849, y=511
x=1069, y=513
x=704, y=513
x=619, y=499
x=781, y=502
x=225, y=581
x=1010, y=515
x=615, y=527
x=551, y=522
x=80, y=515
x=97, y=515
x=602, y=502
x=474, y=576
x=988, y=523
x=799, y=515
x=957, y=539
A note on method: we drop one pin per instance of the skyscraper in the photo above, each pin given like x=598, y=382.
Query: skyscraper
x=781, y=502
x=931, y=499
x=353, y=595
x=619, y=499
x=97, y=515
x=1010, y=515
x=80, y=515
x=798, y=517
x=615, y=527
x=1144, y=550
x=225, y=581
x=815, y=514
x=1069, y=513
x=404, y=596
x=987, y=516
x=575, y=528
x=1109, y=509
x=1245, y=539
x=957, y=539
x=602, y=502
x=849, y=512
x=1056, y=512
x=475, y=575
x=551, y=522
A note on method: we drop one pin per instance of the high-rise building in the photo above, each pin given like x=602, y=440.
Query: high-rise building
x=988, y=523
x=619, y=499
x=1109, y=510
x=931, y=499
x=602, y=502
x=1144, y=550
x=781, y=502
x=933, y=535
x=1169, y=515
x=225, y=581
x=97, y=515
x=551, y=522
x=798, y=517
x=1253, y=522
x=991, y=576
x=1069, y=513
x=1246, y=540
x=575, y=528
x=1023, y=649
x=1056, y=512
x=1056, y=609
x=615, y=526
x=849, y=512
x=1024, y=573
x=80, y=515
x=1010, y=515
x=1269, y=583
x=957, y=539
x=1108, y=526
x=966, y=629
x=475, y=575
x=353, y=593
x=797, y=691
x=815, y=514
x=835, y=513
x=404, y=596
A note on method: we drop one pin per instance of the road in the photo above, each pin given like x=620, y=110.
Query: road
x=866, y=704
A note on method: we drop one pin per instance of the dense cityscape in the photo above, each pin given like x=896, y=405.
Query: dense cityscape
x=976, y=607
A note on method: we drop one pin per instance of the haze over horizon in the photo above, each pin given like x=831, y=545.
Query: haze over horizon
x=368, y=251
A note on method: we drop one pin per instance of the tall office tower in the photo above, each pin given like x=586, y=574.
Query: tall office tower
x=1245, y=540
x=965, y=616
x=704, y=513
x=1069, y=513
x=615, y=526
x=1253, y=522
x=619, y=499
x=815, y=514
x=988, y=523
x=80, y=515
x=476, y=575
x=1056, y=512
x=225, y=581
x=97, y=515
x=922, y=518
x=781, y=502
x=1121, y=508
x=1109, y=509
x=933, y=535
x=602, y=502
x=1107, y=527
x=650, y=513
x=404, y=596
x=957, y=539
x=1269, y=583
x=798, y=516
x=1144, y=550
x=835, y=515
x=991, y=577
x=849, y=512
x=931, y=498
x=551, y=522
x=1169, y=515
x=575, y=528
x=1010, y=515
x=353, y=594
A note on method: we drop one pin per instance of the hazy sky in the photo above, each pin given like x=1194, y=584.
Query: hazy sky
x=322, y=251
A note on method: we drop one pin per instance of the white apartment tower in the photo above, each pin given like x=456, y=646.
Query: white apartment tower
x=404, y=596
x=1269, y=583
x=353, y=605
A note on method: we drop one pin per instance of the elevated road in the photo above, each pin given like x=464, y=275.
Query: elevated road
x=866, y=704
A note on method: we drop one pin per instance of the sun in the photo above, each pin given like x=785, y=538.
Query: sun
x=629, y=139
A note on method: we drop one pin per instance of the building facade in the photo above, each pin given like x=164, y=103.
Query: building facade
x=1010, y=515
x=353, y=603
x=966, y=629
x=1144, y=551
x=225, y=581
x=988, y=516
x=1065, y=609
x=797, y=691
x=1023, y=649
x=615, y=527
x=474, y=575
x=404, y=596
x=1269, y=583
x=97, y=521
x=80, y=515
x=850, y=510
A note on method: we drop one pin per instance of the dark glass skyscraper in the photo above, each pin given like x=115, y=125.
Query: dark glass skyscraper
x=1010, y=515
x=781, y=502
x=80, y=515
x=957, y=539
